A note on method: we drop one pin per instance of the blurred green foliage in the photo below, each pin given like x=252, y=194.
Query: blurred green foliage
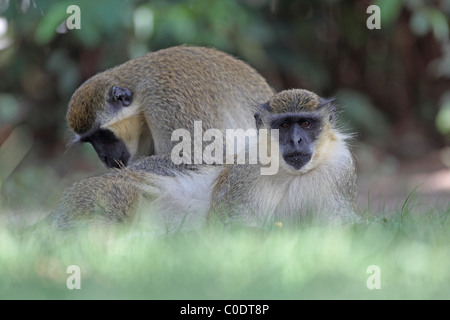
x=322, y=45
x=390, y=83
x=443, y=116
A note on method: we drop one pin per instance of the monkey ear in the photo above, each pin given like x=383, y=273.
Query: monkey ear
x=259, y=114
x=331, y=106
x=259, y=121
x=333, y=111
x=121, y=95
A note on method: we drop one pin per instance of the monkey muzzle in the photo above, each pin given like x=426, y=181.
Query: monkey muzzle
x=297, y=159
x=113, y=155
x=111, y=150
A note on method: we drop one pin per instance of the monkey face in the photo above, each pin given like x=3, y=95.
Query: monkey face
x=297, y=135
x=112, y=151
x=301, y=117
x=110, y=121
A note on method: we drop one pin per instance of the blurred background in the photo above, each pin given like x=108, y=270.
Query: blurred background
x=392, y=84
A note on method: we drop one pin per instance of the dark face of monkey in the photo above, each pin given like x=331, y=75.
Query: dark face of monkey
x=300, y=117
x=111, y=150
x=297, y=134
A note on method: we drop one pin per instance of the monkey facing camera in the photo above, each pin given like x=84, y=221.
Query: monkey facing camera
x=132, y=109
x=316, y=176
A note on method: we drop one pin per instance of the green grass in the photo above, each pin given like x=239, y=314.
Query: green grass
x=297, y=262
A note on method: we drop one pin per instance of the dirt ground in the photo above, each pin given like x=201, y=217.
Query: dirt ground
x=384, y=186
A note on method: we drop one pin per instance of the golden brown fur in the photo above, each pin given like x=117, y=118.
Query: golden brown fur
x=324, y=189
x=171, y=89
x=185, y=195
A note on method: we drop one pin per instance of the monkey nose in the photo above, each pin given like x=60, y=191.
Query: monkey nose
x=299, y=140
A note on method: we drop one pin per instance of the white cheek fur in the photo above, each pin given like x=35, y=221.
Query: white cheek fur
x=126, y=125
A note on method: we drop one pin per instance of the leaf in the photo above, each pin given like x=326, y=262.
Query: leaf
x=419, y=23
x=389, y=10
x=443, y=116
x=46, y=29
x=439, y=24
x=9, y=108
x=426, y=19
x=143, y=20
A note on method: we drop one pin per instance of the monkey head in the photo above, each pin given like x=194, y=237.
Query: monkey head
x=304, y=122
x=102, y=112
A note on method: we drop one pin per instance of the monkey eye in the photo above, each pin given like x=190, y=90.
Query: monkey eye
x=305, y=124
x=285, y=125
